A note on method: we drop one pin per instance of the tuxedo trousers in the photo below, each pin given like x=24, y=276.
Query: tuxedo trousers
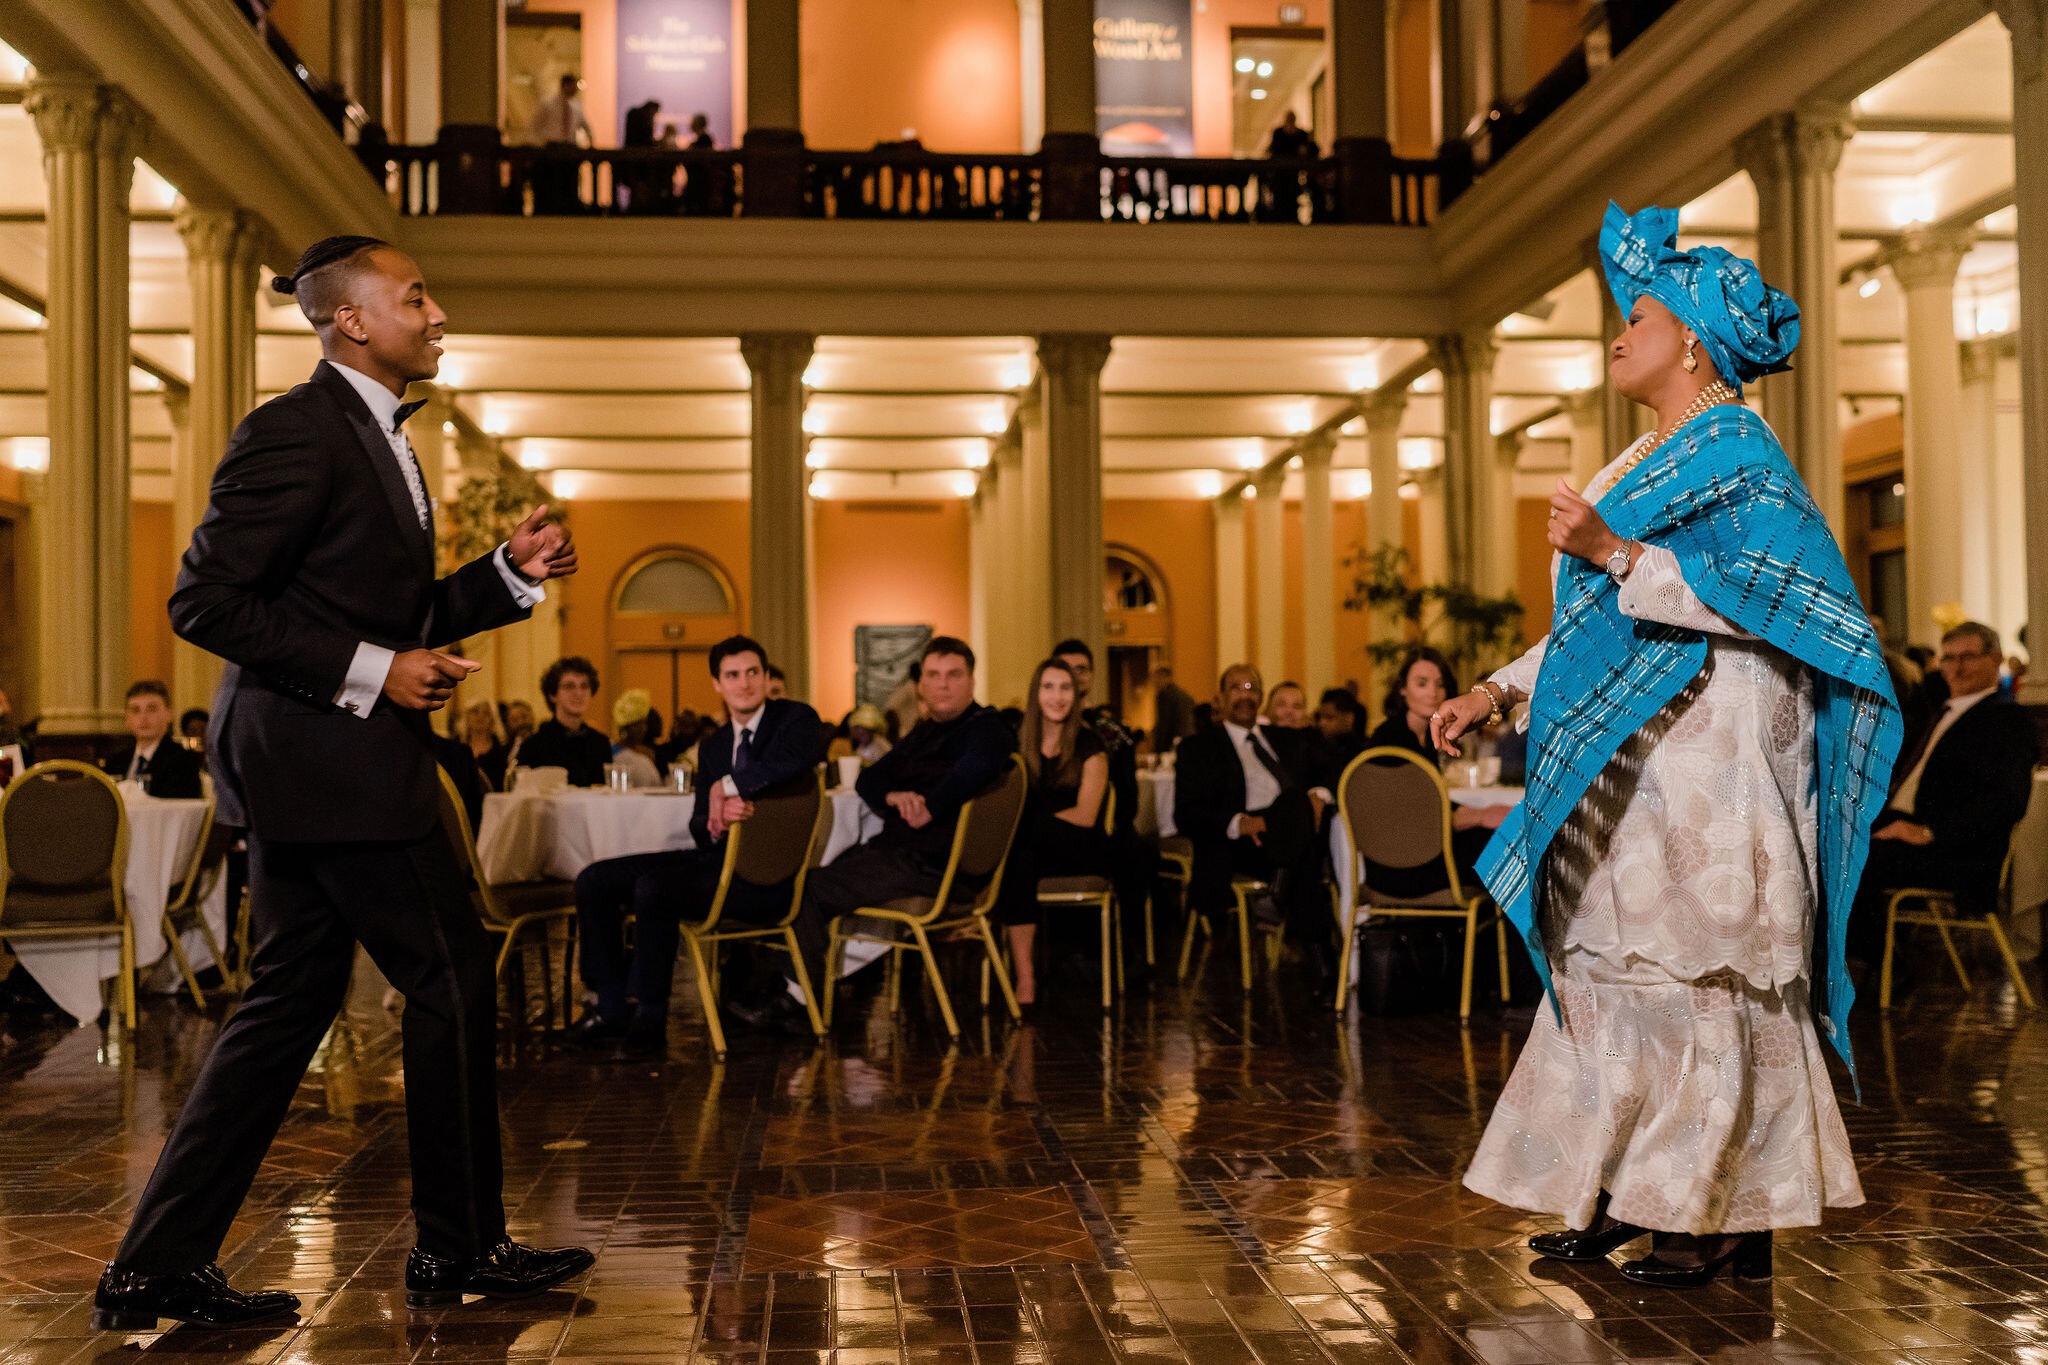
x=408, y=905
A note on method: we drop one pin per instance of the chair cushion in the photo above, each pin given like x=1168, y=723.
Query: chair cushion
x=534, y=898
x=1073, y=886
x=1434, y=900
x=1179, y=846
x=28, y=907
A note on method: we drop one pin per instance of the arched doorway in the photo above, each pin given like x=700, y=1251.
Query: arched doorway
x=668, y=607
x=1137, y=624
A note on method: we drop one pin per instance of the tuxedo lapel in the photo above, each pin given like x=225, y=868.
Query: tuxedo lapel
x=383, y=465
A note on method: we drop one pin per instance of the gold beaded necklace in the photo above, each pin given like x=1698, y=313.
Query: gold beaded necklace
x=1711, y=396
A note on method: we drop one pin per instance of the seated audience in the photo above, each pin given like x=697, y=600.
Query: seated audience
x=1135, y=859
x=1287, y=707
x=569, y=686
x=767, y=747
x=864, y=738
x=1955, y=796
x=192, y=727
x=163, y=766
x=1250, y=798
x=457, y=760
x=957, y=752
x=1173, y=711
x=1419, y=686
x=1060, y=833
x=480, y=732
x=778, y=685
x=638, y=725
x=1341, y=722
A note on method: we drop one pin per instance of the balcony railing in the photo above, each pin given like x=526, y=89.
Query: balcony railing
x=903, y=181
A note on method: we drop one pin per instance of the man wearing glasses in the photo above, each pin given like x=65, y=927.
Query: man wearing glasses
x=1958, y=793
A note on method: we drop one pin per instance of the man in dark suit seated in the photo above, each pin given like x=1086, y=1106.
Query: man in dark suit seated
x=1956, y=798
x=163, y=766
x=1250, y=798
x=958, y=751
x=766, y=747
x=564, y=741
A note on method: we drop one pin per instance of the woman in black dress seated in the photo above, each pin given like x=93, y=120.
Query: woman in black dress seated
x=1420, y=686
x=1060, y=834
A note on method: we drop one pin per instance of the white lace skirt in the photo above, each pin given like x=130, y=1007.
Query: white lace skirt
x=1700, y=1106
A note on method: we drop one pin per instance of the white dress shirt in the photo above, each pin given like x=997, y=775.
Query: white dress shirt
x=142, y=755
x=751, y=728
x=372, y=663
x=556, y=119
x=1909, y=790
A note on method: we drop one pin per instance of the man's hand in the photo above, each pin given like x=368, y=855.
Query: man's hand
x=1577, y=529
x=424, y=679
x=1252, y=827
x=733, y=809
x=1906, y=832
x=541, y=549
x=911, y=807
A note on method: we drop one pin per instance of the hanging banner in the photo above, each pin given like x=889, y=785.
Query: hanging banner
x=680, y=53
x=1145, y=77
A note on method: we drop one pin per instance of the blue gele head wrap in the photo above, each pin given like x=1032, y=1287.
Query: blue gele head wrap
x=1747, y=327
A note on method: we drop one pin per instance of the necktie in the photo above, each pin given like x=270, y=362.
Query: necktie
x=1267, y=760
x=142, y=765
x=742, y=752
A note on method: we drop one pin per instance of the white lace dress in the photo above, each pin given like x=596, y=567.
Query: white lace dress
x=1687, y=1079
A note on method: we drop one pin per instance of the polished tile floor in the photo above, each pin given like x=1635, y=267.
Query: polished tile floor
x=1199, y=1176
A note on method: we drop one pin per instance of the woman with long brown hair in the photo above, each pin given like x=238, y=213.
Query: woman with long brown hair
x=1060, y=834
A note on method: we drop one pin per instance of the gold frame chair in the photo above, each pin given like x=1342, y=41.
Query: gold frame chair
x=1452, y=903
x=1099, y=892
x=189, y=894
x=117, y=873
x=498, y=920
x=783, y=933
x=923, y=923
x=1242, y=889
x=1940, y=914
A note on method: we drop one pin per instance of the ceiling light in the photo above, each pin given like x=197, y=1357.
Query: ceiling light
x=448, y=375
x=810, y=379
x=1992, y=318
x=447, y=428
x=29, y=454
x=1208, y=484
x=1870, y=285
x=1245, y=64
x=1258, y=94
x=817, y=487
x=1416, y=452
x=143, y=379
x=1294, y=462
x=1912, y=208
x=1250, y=494
x=813, y=423
x=814, y=458
x=978, y=459
x=994, y=422
x=1251, y=455
x=527, y=454
x=1265, y=68
x=494, y=421
x=1409, y=490
x=1017, y=374
x=964, y=484
x=565, y=485
x=1361, y=483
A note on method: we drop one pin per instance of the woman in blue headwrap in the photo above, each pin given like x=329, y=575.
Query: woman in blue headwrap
x=1711, y=731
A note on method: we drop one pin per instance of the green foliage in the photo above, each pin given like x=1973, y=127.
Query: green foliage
x=487, y=509
x=1475, y=632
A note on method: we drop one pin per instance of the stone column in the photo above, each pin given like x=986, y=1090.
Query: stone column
x=1502, y=560
x=1765, y=154
x=1031, y=72
x=1383, y=416
x=1926, y=270
x=1232, y=643
x=774, y=140
x=1586, y=411
x=217, y=255
x=1469, y=465
x=1454, y=101
x=2027, y=22
x=89, y=135
x=1977, y=430
x=1817, y=136
x=1072, y=365
x=1435, y=547
x=980, y=558
x=1358, y=62
x=1032, y=559
x=777, y=545
x=1318, y=568
x=1071, y=149
x=1621, y=421
x=1269, y=572
x=472, y=67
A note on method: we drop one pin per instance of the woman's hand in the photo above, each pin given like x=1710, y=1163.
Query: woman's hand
x=1458, y=716
x=1576, y=528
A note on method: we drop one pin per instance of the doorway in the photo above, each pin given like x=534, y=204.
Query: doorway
x=1275, y=71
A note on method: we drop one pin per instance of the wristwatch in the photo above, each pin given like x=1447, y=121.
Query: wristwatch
x=1618, y=562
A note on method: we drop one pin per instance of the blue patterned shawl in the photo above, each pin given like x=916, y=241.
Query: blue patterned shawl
x=1751, y=544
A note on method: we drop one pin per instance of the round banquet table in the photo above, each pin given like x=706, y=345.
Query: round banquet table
x=162, y=835
x=1341, y=855
x=1155, y=804
x=2030, y=870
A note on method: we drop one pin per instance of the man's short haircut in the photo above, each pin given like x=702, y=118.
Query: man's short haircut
x=1223, y=683
x=950, y=645
x=1342, y=698
x=198, y=713
x=1072, y=646
x=318, y=279
x=148, y=687
x=736, y=644
x=1978, y=631
x=551, y=681
x=777, y=674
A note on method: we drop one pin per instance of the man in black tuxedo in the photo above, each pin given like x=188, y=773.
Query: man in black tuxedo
x=164, y=767
x=1250, y=798
x=1957, y=795
x=312, y=574
x=766, y=747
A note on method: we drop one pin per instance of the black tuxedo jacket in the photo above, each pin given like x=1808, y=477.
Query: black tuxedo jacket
x=173, y=769
x=311, y=545
x=786, y=751
x=1974, y=789
x=1208, y=791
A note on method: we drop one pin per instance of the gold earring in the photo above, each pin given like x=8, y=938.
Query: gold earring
x=1691, y=361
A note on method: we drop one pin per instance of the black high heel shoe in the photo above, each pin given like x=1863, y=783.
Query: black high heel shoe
x=1590, y=1245
x=1749, y=1259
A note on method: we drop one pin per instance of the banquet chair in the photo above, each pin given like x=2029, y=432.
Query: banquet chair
x=63, y=861
x=981, y=848
x=1176, y=865
x=510, y=909
x=1939, y=912
x=781, y=841
x=1243, y=891
x=183, y=911
x=1089, y=893
x=1398, y=809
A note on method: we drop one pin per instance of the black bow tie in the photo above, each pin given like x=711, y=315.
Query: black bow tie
x=406, y=410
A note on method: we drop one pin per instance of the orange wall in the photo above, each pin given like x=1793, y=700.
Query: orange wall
x=152, y=573
x=1179, y=538
x=1532, y=567
x=882, y=564
x=1412, y=127
x=947, y=68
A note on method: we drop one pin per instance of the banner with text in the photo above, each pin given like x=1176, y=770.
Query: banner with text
x=680, y=53
x=1145, y=77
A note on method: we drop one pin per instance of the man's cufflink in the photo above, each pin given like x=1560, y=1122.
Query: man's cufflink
x=349, y=707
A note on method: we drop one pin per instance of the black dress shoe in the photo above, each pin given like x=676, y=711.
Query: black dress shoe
x=595, y=1032
x=1749, y=1258
x=130, y=1301
x=506, y=1271
x=1590, y=1245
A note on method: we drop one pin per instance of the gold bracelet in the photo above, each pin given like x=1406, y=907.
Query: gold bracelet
x=1496, y=700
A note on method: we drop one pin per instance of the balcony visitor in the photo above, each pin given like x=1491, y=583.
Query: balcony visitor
x=559, y=127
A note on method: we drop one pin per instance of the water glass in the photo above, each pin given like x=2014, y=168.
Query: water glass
x=681, y=774
x=617, y=778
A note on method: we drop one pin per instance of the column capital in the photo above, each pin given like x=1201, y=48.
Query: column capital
x=123, y=131
x=210, y=234
x=2026, y=21
x=1817, y=134
x=1980, y=359
x=66, y=111
x=1468, y=352
x=1270, y=481
x=1074, y=356
x=1763, y=153
x=1317, y=448
x=1427, y=479
x=178, y=406
x=1583, y=405
x=1929, y=257
x=1384, y=411
x=1507, y=449
x=772, y=355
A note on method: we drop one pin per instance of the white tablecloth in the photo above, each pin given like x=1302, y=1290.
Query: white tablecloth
x=2030, y=869
x=1155, y=804
x=161, y=837
x=1342, y=857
